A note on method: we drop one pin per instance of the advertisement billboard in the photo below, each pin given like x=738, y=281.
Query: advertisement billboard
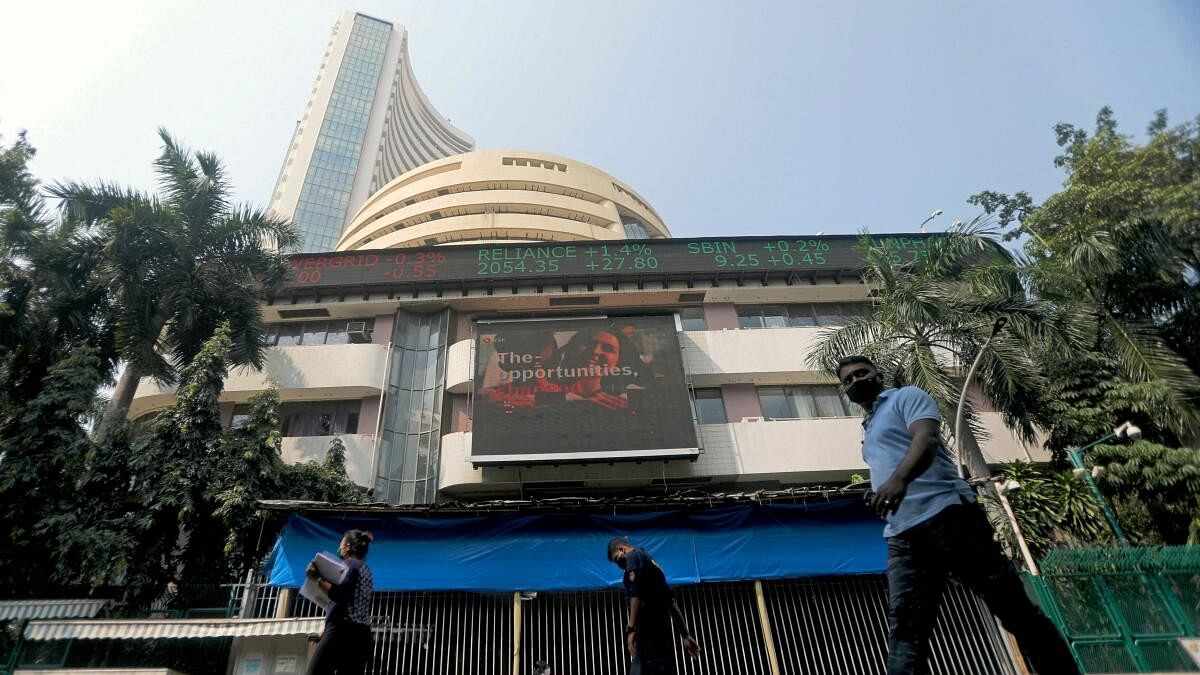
x=580, y=389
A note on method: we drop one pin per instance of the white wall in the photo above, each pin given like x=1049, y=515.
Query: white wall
x=359, y=453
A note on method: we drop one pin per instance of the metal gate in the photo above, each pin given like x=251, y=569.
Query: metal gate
x=819, y=626
x=838, y=626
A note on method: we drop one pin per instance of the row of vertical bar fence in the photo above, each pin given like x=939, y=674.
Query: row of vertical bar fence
x=825, y=625
x=1124, y=609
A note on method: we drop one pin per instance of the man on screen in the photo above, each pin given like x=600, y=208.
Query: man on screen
x=935, y=529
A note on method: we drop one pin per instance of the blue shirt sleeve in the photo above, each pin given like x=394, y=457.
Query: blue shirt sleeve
x=915, y=404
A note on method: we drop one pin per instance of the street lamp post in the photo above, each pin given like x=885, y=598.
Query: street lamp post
x=1001, y=489
x=935, y=214
x=1126, y=430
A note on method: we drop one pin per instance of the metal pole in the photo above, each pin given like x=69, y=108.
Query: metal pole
x=765, y=620
x=1077, y=461
x=1012, y=520
x=516, y=660
x=962, y=397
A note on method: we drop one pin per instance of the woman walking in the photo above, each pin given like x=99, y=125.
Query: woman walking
x=345, y=645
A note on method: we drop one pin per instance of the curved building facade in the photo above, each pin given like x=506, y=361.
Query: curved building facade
x=501, y=195
x=366, y=122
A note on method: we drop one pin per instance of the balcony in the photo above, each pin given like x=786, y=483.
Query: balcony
x=301, y=374
x=753, y=451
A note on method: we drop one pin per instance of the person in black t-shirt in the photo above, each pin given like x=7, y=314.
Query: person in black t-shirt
x=651, y=605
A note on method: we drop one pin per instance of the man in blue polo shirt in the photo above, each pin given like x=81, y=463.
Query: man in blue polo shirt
x=935, y=529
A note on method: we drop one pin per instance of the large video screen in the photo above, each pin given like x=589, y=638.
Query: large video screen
x=578, y=390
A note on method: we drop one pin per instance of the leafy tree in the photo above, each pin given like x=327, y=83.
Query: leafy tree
x=50, y=304
x=932, y=317
x=42, y=444
x=1161, y=480
x=177, y=266
x=1120, y=245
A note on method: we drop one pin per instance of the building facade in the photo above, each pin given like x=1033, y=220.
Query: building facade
x=365, y=123
x=521, y=361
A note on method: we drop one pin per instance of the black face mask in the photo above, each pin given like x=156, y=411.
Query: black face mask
x=620, y=562
x=863, y=391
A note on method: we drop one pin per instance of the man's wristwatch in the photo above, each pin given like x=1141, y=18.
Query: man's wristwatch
x=630, y=630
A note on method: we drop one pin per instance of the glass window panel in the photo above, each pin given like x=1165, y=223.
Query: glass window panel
x=775, y=316
x=832, y=314
x=423, y=457
x=352, y=423
x=427, y=410
x=437, y=329
x=750, y=317
x=412, y=325
x=774, y=403
x=801, y=315
x=396, y=465
x=410, y=456
x=440, y=376
x=399, y=409
x=692, y=318
x=828, y=401
x=407, y=493
x=336, y=333
x=420, y=365
x=272, y=334
x=802, y=403
x=407, y=364
x=385, y=454
x=314, y=333
x=380, y=491
x=431, y=368
x=423, y=331
x=710, y=407
x=289, y=334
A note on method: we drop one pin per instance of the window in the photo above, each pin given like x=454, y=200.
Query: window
x=800, y=314
x=710, y=408
x=634, y=229
x=319, y=418
x=333, y=332
x=692, y=318
x=805, y=402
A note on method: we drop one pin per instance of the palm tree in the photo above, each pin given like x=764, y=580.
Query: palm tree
x=932, y=317
x=177, y=266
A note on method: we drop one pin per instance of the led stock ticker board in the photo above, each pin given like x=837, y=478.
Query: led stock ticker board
x=555, y=261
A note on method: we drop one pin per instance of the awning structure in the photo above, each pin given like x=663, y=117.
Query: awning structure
x=150, y=629
x=11, y=610
x=567, y=551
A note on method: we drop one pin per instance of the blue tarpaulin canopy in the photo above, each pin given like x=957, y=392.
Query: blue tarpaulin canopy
x=566, y=551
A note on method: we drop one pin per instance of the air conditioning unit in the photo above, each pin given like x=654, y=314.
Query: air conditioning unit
x=357, y=332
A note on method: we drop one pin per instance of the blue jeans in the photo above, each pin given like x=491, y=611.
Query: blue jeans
x=958, y=542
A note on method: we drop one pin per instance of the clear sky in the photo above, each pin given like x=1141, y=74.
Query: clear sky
x=731, y=118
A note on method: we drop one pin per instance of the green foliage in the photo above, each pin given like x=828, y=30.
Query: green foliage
x=1119, y=250
x=933, y=316
x=1055, y=509
x=41, y=441
x=1158, y=484
x=178, y=265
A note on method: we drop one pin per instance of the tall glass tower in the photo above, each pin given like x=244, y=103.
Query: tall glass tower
x=366, y=122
